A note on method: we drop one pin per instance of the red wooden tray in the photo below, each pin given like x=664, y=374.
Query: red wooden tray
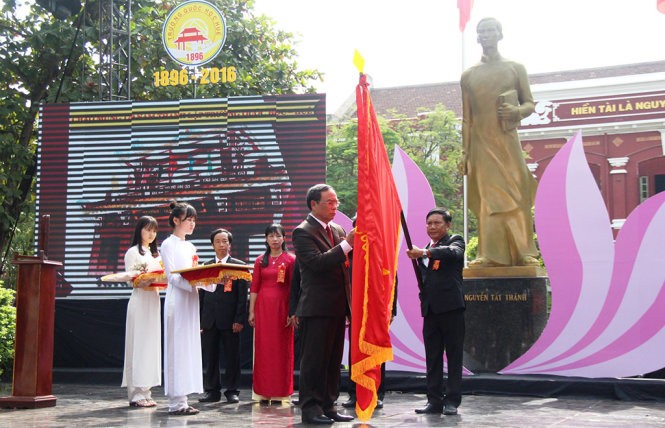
x=134, y=276
x=215, y=273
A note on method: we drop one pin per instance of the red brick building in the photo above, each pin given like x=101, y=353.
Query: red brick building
x=620, y=111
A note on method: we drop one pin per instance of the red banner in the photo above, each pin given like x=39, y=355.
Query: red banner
x=464, y=7
x=376, y=245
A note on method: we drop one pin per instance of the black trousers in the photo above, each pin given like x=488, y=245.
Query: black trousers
x=321, y=348
x=216, y=343
x=444, y=332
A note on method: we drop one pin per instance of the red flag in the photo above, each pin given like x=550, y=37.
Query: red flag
x=375, y=249
x=464, y=7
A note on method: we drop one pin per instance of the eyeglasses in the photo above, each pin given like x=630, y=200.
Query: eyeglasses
x=332, y=202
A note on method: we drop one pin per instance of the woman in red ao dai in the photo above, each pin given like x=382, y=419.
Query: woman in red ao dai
x=269, y=315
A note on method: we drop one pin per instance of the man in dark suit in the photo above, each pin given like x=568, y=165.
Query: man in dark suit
x=442, y=306
x=323, y=306
x=222, y=316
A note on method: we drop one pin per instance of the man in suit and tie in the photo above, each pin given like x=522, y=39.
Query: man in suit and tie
x=223, y=314
x=324, y=304
x=442, y=306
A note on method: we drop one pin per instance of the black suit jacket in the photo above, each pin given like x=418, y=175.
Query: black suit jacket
x=294, y=295
x=325, y=286
x=222, y=309
x=442, y=285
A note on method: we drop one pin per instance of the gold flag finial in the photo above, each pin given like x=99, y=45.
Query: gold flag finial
x=358, y=61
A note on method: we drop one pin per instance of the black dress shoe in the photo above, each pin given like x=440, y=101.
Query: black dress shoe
x=350, y=404
x=232, y=398
x=210, y=397
x=379, y=404
x=317, y=420
x=338, y=417
x=449, y=409
x=430, y=409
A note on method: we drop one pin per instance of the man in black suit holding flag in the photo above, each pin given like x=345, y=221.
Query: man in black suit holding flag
x=442, y=306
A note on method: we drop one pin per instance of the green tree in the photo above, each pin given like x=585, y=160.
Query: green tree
x=7, y=330
x=434, y=143
x=45, y=60
x=265, y=57
x=31, y=57
x=342, y=160
x=342, y=164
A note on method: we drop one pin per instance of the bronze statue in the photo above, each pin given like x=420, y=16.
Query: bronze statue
x=496, y=96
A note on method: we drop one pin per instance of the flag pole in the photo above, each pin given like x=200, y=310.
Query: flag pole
x=409, y=245
x=465, y=188
x=466, y=218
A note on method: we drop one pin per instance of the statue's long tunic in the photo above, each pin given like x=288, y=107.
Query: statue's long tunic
x=501, y=189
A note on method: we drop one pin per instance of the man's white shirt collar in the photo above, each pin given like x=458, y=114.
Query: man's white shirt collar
x=324, y=225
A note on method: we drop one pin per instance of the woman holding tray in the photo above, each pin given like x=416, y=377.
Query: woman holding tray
x=269, y=315
x=143, y=345
x=182, y=339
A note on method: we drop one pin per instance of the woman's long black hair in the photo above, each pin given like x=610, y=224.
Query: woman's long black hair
x=273, y=228
x=150, y=223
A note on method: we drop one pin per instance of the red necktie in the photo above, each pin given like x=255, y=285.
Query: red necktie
x=330, y=235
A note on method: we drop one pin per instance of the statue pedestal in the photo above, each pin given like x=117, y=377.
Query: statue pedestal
x=506, y=310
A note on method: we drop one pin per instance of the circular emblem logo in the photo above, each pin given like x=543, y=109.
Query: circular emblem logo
x=194, y=33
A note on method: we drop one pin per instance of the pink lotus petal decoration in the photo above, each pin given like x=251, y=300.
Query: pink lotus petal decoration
x=607, y=297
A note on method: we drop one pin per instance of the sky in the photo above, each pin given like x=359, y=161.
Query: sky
x=419, y=41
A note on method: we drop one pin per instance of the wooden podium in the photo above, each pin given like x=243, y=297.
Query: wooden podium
x=33, y=347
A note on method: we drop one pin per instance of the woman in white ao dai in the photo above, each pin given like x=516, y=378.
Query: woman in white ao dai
x=143, y=346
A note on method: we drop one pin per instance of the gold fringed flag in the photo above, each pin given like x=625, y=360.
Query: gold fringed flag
x=375, y=249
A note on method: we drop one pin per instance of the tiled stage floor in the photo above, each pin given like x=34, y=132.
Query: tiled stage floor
x=106, y=406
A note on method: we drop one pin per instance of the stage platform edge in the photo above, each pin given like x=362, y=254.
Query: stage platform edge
x=628, y=389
